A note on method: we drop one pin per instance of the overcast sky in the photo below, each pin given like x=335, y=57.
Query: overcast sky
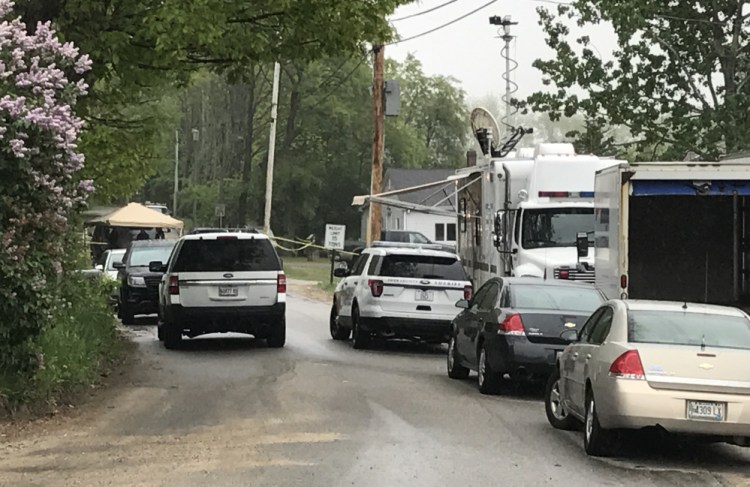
x=469, y=50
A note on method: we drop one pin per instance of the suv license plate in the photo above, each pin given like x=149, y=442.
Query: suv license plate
x=228, y=292
x=424, y=295
x=706, y=411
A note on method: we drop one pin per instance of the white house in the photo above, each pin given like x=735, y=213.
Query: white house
x=437, y=228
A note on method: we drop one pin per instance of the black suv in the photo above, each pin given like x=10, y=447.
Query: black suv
x=139, y=287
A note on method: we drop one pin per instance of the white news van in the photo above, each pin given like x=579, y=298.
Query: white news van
x=675, y=231
x=521, y=215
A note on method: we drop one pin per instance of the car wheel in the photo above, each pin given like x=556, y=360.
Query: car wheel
x=160, y=332
x=487, y=379
x=172, y=335
x=597, y=441
x=277, y=338
x=455, y=369
x=557, y=416
x=360, y=338
x=126, y=314
x=338, y=332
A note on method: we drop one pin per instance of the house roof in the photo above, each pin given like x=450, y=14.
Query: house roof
x=405, y=178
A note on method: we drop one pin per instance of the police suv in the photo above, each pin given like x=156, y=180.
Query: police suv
x=396, y=290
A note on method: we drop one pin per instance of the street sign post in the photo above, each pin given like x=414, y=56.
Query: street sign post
x=220, y=210
x=335, y=236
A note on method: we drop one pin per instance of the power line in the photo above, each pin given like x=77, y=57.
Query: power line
x=341, y=82
x=442, y=26
x=425, y=11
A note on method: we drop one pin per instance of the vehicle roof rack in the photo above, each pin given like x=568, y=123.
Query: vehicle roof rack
x=406, y=245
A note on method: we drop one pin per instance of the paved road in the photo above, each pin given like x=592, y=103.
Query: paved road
x=317, y=413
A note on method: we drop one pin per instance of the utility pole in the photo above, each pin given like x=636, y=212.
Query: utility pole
x=378, y=140
x=176, y=170
x=271, y=147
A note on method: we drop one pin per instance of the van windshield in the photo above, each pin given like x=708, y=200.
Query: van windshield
x=556, y=227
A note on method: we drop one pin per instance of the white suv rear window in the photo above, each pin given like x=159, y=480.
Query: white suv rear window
x=422, y=267
x=227, y=255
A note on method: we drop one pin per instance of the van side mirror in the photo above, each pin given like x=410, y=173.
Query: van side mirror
x=569, y=335
x=157, y=266
x=341, y=272
x=582, y=245
x=118, y=265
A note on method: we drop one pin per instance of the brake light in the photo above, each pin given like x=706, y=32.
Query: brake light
x=512, y=325
x=564, y=274
x=628, y=366
x=174, y=285
x=227, y=237
x=376, y=287
x=623, y=281
x=468, y=292
x=281, y=284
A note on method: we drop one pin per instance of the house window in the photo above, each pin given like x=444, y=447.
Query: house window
x=451, y=231
x=440, y=232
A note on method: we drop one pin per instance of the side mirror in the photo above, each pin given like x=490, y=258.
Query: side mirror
x=341, y=272
x=582, y=245
x=118, y=265
x=157, y=266
x=463, y=304
x=570, y=335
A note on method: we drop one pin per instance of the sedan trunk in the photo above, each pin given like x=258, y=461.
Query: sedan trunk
x=547, y=326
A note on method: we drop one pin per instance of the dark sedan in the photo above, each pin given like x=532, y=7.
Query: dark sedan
x=514, y=326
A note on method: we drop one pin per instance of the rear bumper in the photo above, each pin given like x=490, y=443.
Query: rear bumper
x=225, y=319
x=397, y=327
x=521, y=358
x=633, y=404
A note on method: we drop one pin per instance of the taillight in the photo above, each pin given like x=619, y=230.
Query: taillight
x=564, y=274
x=376, y=287
x=468, y=292
x=628, y=366
x=174, y=285
x=623, y=281
x=281, y=284
x=512, y=325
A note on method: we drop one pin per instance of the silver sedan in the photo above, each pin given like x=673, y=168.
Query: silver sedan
x=679, y=366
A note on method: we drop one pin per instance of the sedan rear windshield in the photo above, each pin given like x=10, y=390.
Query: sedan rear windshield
x=680, y=328
x=238, y=255
x=555, y=297
x=422, y=267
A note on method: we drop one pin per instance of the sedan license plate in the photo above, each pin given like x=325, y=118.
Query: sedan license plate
x=228, y=292
x=424, y=295
x=706, y=411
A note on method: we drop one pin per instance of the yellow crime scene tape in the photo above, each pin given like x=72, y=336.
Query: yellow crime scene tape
x=304, y=245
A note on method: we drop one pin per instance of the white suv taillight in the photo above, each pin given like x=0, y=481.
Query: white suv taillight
x=174, y=285
x=281, y=284
x=376, y=287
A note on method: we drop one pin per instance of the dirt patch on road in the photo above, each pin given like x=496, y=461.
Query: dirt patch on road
x=309, y=290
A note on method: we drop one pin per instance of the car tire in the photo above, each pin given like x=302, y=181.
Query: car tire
x=160, y=332
x=556, y=414
x=360, y=338
x=277, y=338
x=455, y=369
x=488, y=380
x=338, y=332
x=172, y=336
x=127, y=315
x=597, y=441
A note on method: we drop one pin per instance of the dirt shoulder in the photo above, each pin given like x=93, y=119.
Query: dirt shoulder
x=309, y=290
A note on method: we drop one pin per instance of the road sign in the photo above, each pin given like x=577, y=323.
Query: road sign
x=335, y=235
x=220, y=210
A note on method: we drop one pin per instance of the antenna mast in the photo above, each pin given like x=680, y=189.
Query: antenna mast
x=510, y=65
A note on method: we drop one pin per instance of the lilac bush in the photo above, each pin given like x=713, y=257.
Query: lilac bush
x=40, y=80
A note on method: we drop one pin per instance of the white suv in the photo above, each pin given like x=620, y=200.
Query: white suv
x=399, y=291
x=222, y=282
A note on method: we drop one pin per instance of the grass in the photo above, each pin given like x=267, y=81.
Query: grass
x=316, y=271
x=75, y=349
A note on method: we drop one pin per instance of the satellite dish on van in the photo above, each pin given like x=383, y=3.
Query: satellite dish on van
x=483, y=122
